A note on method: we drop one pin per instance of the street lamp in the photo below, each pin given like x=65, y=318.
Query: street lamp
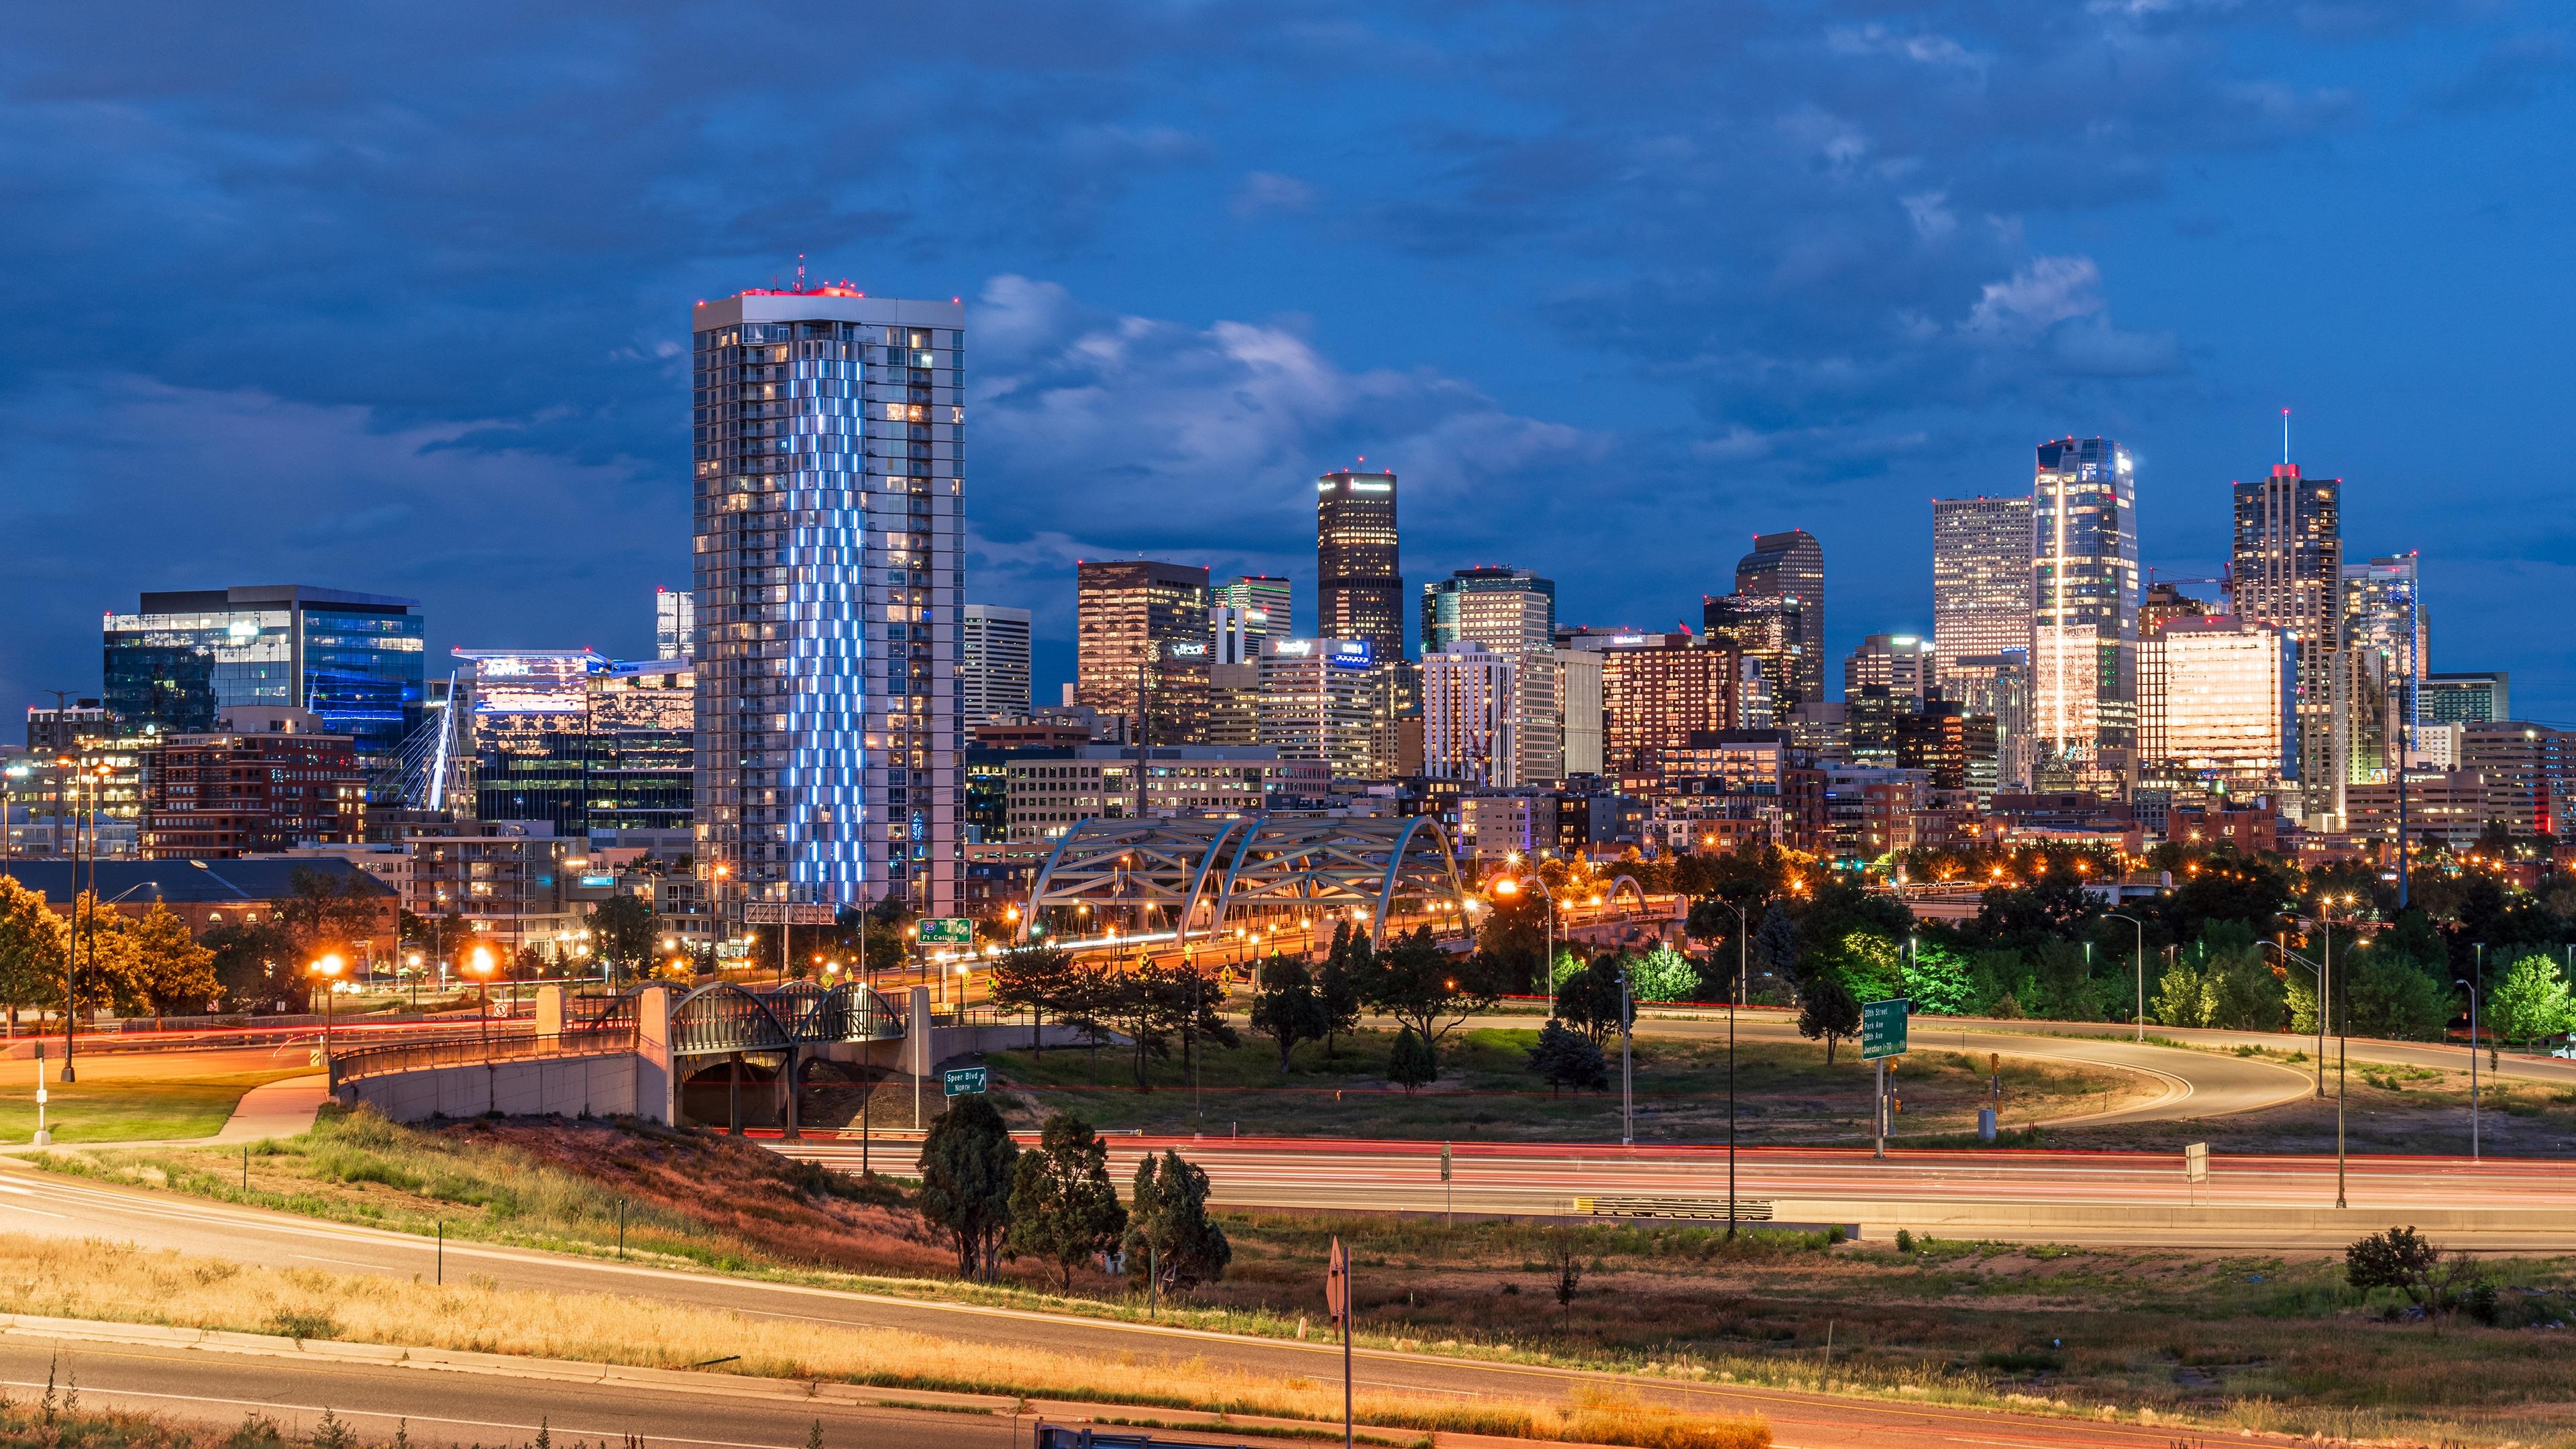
x=2142, y=967
x=2343, y=1028
x=328, y=967
x=480, y=966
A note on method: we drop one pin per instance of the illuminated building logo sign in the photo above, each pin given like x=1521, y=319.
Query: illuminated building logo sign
x=536, y=682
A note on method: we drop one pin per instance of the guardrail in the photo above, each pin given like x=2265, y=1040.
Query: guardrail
x=1682, y=1209
x=469, y=1051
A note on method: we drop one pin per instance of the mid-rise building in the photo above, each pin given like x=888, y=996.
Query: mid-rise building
x=266, y=780
x=60, y=730
x=1506, y=824
x=187, y=658
x=579, y=742
x=1048, y=792
x=2084, y=639
x=1246, y=613
x=993, y=663
x=1981, y=577
x=830, y=486
x=1902, y=664
x=1489, y=717
x=1657, y=696
x=2217, y=700
x=2288, y=566
x=1359, y=574
x=1141, y=625
x=1788, y=568
x=1331, y=701
x=675, y=624
x=2527, y=773
x=2166, y=602
x=1997, y=687
x=643, y=747
x=2473, y=697
x=2443, y=805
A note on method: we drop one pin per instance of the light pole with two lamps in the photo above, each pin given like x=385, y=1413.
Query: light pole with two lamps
x=1743, y=934
x=479, y=965
x=1508, y=887
x=2142, y=967
x=328, y=966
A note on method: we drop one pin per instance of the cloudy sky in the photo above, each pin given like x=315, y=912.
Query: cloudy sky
x=396, y=298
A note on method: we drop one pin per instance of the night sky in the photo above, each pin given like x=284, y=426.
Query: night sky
x=396, y=298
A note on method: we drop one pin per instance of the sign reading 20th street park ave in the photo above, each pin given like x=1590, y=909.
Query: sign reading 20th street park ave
x=1882, y=1028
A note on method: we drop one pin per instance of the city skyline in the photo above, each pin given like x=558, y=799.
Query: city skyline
x=1176, y=342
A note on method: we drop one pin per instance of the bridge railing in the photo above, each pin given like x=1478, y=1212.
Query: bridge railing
x=380, y=1061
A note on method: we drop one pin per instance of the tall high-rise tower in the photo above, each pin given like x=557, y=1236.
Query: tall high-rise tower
x=993, y=663
x=2084, y=635
x=1143, y=625
x=2378, y=701
x=1507, y=610
x=2288, y=567
x=1359, y=579
x=1981, y=577
x=830, y=483
x=1790, y=567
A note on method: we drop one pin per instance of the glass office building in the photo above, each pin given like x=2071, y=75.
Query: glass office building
x=580, y=742
x=184, y=658
x=2084, y=638
x=829, y=472
x=1359, y=575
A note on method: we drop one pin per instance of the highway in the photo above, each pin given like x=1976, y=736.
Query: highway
x=484, y=1409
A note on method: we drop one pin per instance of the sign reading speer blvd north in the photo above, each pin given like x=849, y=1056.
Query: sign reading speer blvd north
x=963, y=1081
x=1882, y=1028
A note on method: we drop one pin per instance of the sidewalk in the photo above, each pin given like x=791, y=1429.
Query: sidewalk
x=279, y=1109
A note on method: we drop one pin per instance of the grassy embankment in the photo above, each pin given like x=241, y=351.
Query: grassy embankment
x=137, y=1097
x=1785, y=1092
x=2252, y=1341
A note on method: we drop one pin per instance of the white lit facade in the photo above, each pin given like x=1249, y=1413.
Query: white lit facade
x=1329, y=700
x=2084, y=637
x=1981, y=577
x=2218, y=701
x=993, y=663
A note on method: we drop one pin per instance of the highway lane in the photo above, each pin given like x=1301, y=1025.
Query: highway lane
x=2447, y=1056
x=2186, y=1084
x=36, y=1203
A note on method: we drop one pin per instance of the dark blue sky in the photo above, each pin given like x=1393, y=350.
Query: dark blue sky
x=396, y=298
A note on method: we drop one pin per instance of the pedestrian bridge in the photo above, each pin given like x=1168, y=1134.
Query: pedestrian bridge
x=1198, y=878
x=725, y=1019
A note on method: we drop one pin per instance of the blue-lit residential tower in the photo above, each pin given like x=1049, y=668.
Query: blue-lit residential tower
x=185, y=657
x=830, y=500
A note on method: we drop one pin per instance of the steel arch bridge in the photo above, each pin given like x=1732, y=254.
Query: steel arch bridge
x=1199, y=874
x=721, y=1018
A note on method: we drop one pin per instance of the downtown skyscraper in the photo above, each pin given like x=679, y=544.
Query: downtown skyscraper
x=2084, y=633
x=2288, y=569
x=1981, y=578
x=1359, y=573
x=830, y=502
x=1776, y=616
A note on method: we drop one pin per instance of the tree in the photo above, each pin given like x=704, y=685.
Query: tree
x=2405, y=1260
x=32, y=942
x=1564, y=1270
x=1063, y=1207
x=2530, y=1002
x=325, y=912
x=2243, y=992
x=1776, y=943
x=2389, y=995
x=101, y=955
x=1427, y=989
x=1663, y=974
x=252, y=962
x=1827, y=1009
x=1034, y=979
x=1158, y=1000
x=1168, y=1231
x=1410, y=1063
x=967, y=1159
x=623, y=926
x=170, y=970
x=1591, y=1000
x=2182, y=994
x=1564, y=1058
x=1288, y=1009
x=1337, y=986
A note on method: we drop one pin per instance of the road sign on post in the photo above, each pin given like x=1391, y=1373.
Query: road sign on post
x=947, y=931
x=785, y=913
x=963, y=1081
x=1882, y=1028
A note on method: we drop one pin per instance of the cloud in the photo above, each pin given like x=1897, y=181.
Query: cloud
x=1264, y=193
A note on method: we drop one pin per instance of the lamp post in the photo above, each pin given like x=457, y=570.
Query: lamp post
x=1627, y=1043
x=480, y=964
x=328, y=967
x=2142, y=967
x=2343, y=1028
x=1743, y=931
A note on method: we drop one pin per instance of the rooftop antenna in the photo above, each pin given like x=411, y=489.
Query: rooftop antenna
x=2285, y=437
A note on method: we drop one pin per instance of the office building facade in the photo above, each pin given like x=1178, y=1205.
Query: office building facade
x=831, y=493
x=1142, y=625
x=272, y=784
x=1789, y=568
x=2379, y=676
x=1506, y=610
x=1359, y=573
x=2217, y=704
x=1329, y=701
x=2084, y=636
x=1490, y=717
x=1578, y=712
x=2287, y=562
x=185, y=659
x=2468, y=697
x=1657, y=696
x=993, y=663
x=1902, y=664
x=1268, y=604
x=2527, y=773
x=1981, y=577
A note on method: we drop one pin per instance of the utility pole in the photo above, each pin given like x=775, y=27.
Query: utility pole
x=1627, y=1076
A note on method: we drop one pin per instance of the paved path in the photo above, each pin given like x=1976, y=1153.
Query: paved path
x=280, y=1109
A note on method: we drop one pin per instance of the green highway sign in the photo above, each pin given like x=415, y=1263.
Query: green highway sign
x=963, y=1081
x=1882, y=1028
x=947, y=931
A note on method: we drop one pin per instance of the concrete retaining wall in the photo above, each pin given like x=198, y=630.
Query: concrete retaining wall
x=600, y=1086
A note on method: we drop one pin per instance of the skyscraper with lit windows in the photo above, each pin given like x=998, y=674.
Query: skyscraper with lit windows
x=830, y=499
x=1981, y=577
x=2084, y=636
x=1359, y=573
x=2288, y=568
